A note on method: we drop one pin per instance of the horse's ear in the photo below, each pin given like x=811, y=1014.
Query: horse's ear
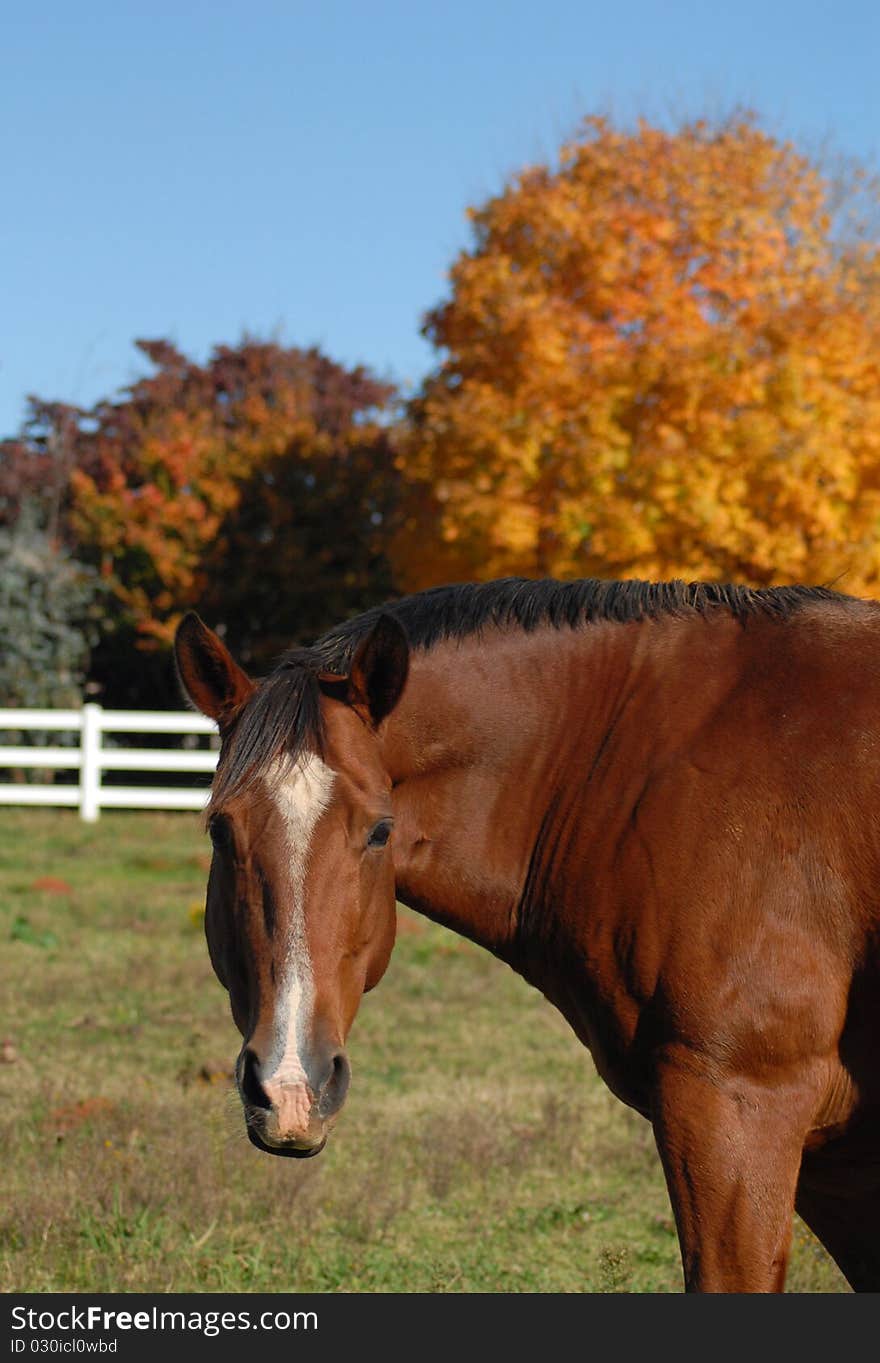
x=209, y=674
x=378, y=671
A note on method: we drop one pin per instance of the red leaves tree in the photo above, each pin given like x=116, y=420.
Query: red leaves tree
x=256, y=488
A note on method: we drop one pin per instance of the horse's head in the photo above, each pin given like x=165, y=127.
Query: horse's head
x=300, y=913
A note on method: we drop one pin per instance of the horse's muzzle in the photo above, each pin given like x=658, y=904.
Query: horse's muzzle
x=292, y=1119
x=288, y=1150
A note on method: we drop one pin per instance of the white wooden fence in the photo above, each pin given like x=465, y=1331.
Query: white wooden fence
x=91, y=758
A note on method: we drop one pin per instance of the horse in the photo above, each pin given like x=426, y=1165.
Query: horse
x=657, y=802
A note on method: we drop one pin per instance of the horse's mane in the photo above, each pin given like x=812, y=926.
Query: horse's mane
x=283, y=717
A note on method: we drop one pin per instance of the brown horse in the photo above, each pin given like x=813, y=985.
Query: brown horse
x=658, y=803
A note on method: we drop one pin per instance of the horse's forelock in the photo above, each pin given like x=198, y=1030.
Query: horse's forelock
x=280, y=722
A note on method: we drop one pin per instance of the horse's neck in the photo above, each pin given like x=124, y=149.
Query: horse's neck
x=477, y=750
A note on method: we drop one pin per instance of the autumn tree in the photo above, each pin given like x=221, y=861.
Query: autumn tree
x=305, y=545
x=255, y=487
x=659, y=357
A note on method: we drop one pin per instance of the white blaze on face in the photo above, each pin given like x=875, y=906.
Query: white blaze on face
x=301, y=795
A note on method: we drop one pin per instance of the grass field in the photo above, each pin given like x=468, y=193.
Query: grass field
x=478, y=1150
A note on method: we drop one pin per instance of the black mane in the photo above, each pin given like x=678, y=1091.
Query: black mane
x=284, y=716
x=523, y=603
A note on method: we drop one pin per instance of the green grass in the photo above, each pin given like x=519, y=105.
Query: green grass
x=478, y=1150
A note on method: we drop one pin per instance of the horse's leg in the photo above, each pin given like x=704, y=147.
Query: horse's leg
x=731, y=1151
x=838, y=1195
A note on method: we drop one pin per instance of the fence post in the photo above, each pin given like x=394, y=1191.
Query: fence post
x=90, y=771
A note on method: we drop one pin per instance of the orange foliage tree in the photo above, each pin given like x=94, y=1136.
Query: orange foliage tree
x=257, y=488
x=159, y=474
x=659, y=358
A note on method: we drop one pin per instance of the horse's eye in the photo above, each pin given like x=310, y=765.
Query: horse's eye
x=220, y=834
x=380, y=834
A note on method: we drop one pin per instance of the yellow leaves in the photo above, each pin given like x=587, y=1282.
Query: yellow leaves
x=658, y=361
x=663, y=230
x=514, y=530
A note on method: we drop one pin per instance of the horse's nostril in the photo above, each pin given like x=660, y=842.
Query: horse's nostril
x=335, y=1087
x=251, y=1089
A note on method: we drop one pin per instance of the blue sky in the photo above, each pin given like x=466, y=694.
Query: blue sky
x=196, y=170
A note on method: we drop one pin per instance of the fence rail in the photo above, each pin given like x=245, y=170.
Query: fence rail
x=89, y=756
